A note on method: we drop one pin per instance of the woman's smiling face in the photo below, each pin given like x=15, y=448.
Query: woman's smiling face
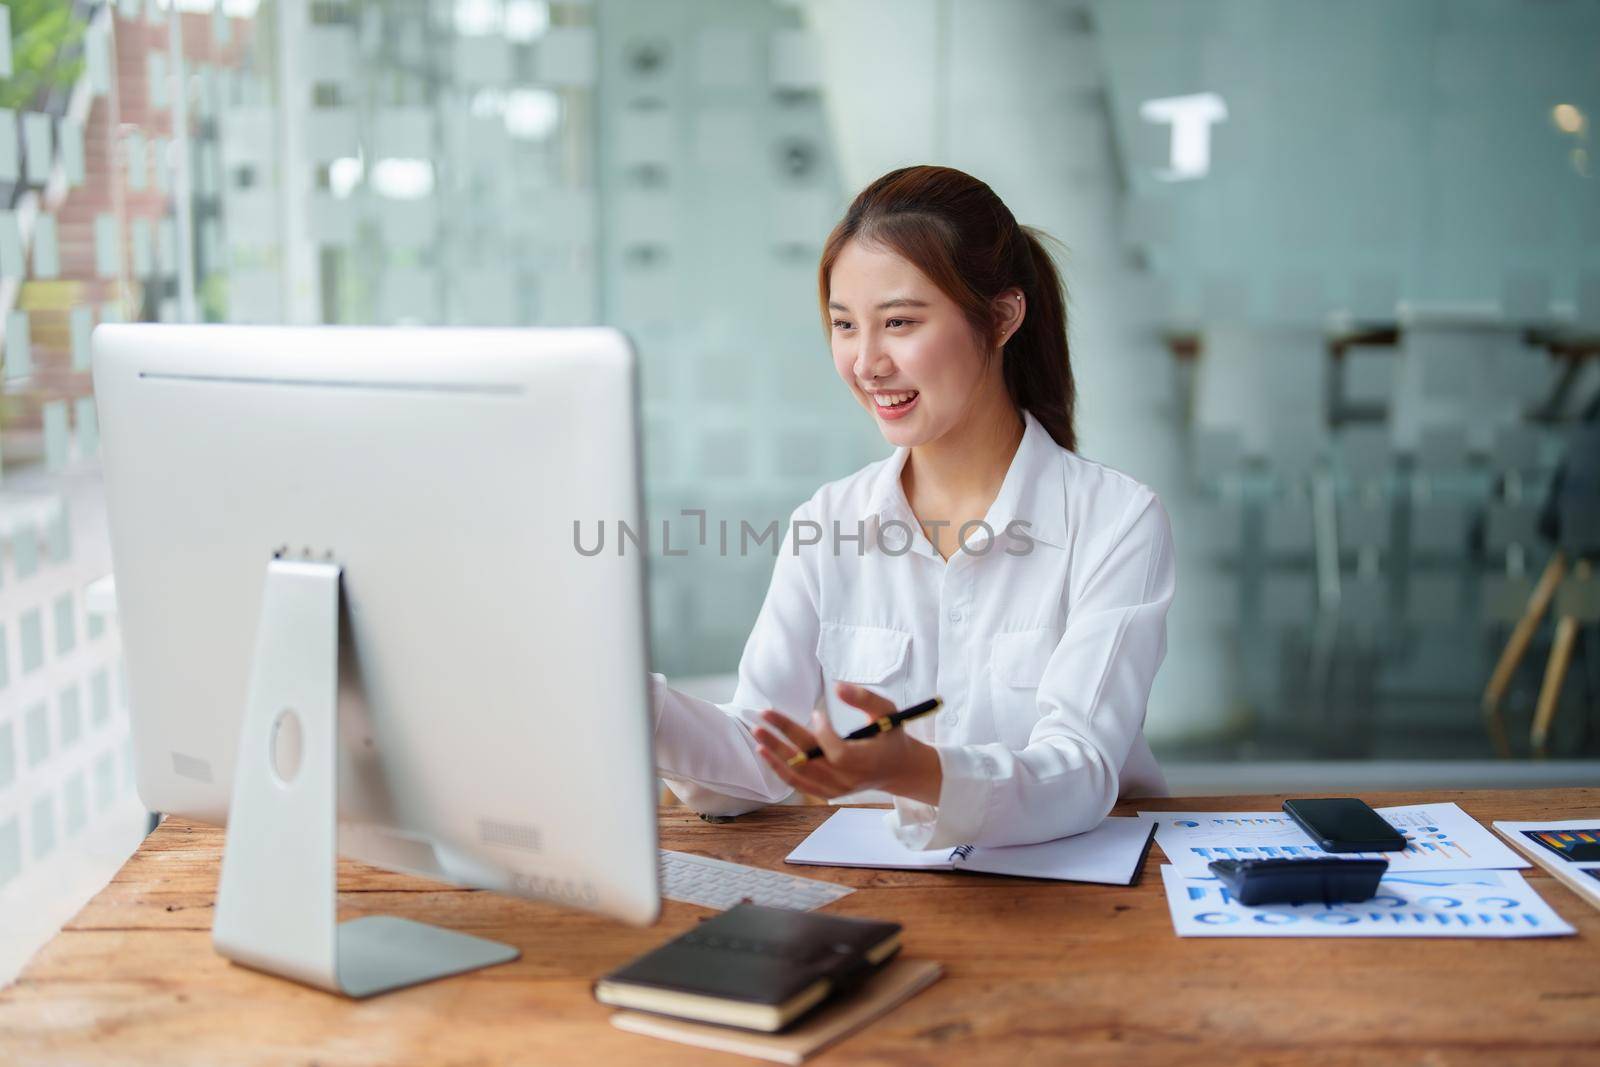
x=904, y=348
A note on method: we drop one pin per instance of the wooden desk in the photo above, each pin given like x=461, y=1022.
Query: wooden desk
x=1036, y=973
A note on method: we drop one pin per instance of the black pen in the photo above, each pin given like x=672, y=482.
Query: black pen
x=876, y=727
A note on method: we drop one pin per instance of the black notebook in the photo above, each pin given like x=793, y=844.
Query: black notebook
x=752, y=967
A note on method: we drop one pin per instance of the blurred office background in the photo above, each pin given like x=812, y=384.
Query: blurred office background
x=1335, y=293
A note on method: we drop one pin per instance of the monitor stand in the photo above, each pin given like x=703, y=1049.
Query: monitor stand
x=277, y=901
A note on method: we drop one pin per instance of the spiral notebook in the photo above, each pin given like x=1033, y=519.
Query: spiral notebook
x=1110, y=854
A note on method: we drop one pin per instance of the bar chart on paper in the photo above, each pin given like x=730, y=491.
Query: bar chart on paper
x=1568, y=849
x=1438, y=837
x=1574, y=846
x=1491, y=904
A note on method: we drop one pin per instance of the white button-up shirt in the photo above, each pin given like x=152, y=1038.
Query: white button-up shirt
x=1043, y=640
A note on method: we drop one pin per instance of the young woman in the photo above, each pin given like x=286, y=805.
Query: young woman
x=985, y=562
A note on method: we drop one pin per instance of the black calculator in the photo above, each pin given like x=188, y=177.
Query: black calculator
x=1323, y=880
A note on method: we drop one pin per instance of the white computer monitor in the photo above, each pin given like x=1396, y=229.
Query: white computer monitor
x=387, y=514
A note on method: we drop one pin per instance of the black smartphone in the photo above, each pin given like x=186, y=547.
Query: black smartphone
x=1344, y=824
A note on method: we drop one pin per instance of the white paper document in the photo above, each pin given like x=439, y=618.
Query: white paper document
x=1496, y=904
x=1439, y=837
x=864, y=837
x=1563, y=848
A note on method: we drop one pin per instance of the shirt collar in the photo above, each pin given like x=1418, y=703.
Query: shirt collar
x=1033, y=493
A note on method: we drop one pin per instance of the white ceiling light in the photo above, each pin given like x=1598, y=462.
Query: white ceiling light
x=477, y=18
x=532, y=114
x=1191, y=118
x=403, y=179
x=526, y=20
x=343, y=176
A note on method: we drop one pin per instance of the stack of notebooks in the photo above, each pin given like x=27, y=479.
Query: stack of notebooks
x=736, y=980
x=781, y=984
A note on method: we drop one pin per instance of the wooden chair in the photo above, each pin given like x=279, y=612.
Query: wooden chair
x=1577, y=604
x=1511, y=657
x=1571, y=520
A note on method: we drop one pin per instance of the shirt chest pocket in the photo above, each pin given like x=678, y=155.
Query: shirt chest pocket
x=1016, y=664
x=872, y=656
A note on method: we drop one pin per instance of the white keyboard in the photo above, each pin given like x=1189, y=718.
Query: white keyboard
x=719, y=884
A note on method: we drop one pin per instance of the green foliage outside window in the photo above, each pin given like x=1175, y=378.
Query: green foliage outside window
x=43, y=32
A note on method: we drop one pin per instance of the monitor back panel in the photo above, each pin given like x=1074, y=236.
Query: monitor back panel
x=493, y=702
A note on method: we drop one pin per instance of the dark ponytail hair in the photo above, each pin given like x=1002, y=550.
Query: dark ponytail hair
x=954, y=229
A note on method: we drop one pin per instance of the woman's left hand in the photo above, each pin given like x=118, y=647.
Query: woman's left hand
x=894, y=761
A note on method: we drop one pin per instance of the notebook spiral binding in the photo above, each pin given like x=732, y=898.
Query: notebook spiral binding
x=961, y=852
